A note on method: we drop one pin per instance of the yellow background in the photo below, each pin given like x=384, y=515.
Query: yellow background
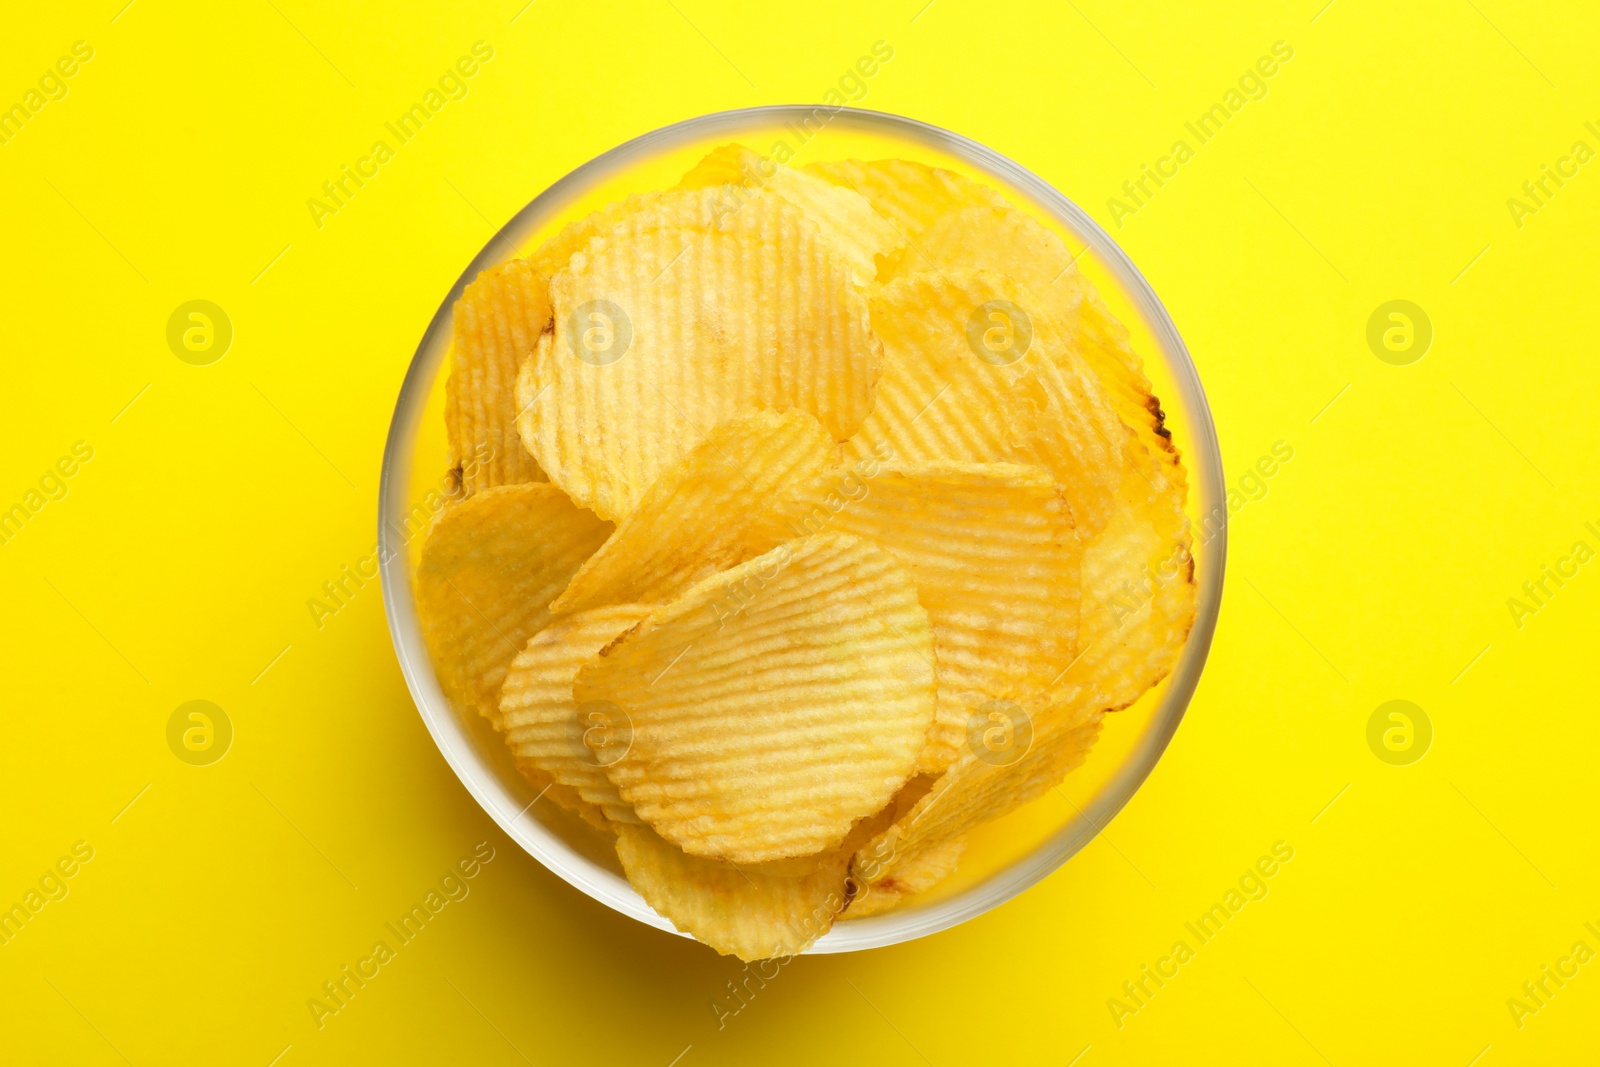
x=1377, y=567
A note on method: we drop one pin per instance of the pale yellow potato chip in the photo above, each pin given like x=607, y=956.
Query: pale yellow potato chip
x=847, y=220
x=774, y=704
x=489, y=568
x=660, y=337
x=996, y=562
x=1139, y=599
x=700, y=208
x=1001, y=238
x=975, y=790
x=750, y=910
x=1139, y=604
x=926, y=870
x=494, y=326
x=726, y=164
x=562, y=796
x=1004, y=239
x=974, y=370
x=739, y=910
x=951, y=223
x=546, y=727
x=702, y=514
x=912, y=196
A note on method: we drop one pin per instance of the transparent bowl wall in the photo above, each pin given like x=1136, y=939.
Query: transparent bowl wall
x=1003, y=857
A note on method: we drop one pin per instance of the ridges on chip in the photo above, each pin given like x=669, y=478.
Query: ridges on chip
x=659, y=338
x=774, y=704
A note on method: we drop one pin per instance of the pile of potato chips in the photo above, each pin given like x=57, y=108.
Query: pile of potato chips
x=827, y=510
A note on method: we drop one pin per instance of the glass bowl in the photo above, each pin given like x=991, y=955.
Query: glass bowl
x=1003, y=857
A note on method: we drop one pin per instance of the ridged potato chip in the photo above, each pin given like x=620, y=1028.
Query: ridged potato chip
x=701, y=515
x=973, y=791
x=728, y=164
x=971, y=373
x=493, y=329
x=564, y=797
x=661, y=337
x=912, y=196
x=701, y=208
x=738, y=910
x=951, y=223
x=926, y=870
x=1139, y=605
x=751, y=911
x=546, y=727
x=846, y=218
x=879, y=883
x=1140, y=601
x=489, y=568
x=996, y=562
x=773, y=704
x=1004, y=239
x=1152, y=485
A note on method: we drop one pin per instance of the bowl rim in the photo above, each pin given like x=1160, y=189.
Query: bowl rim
x=1204, y=468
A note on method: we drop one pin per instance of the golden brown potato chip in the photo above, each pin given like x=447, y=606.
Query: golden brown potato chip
x=737, y=910
x=995, y=559
x=912, y=196
x=845, y=217
x=661, y=337
x=974, y=370
x=564, y=797
x=699, y=517
x=545, y=726
x=1138, y=577
x=1001, y=238
x=701, y=208
x=1010, y=241
x=489, y=568
x=926, y=870
x=493, y=329
x=728, y=164
x=976, y=789
x=954, y=224
x=1140, y=594
x=774, y=704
